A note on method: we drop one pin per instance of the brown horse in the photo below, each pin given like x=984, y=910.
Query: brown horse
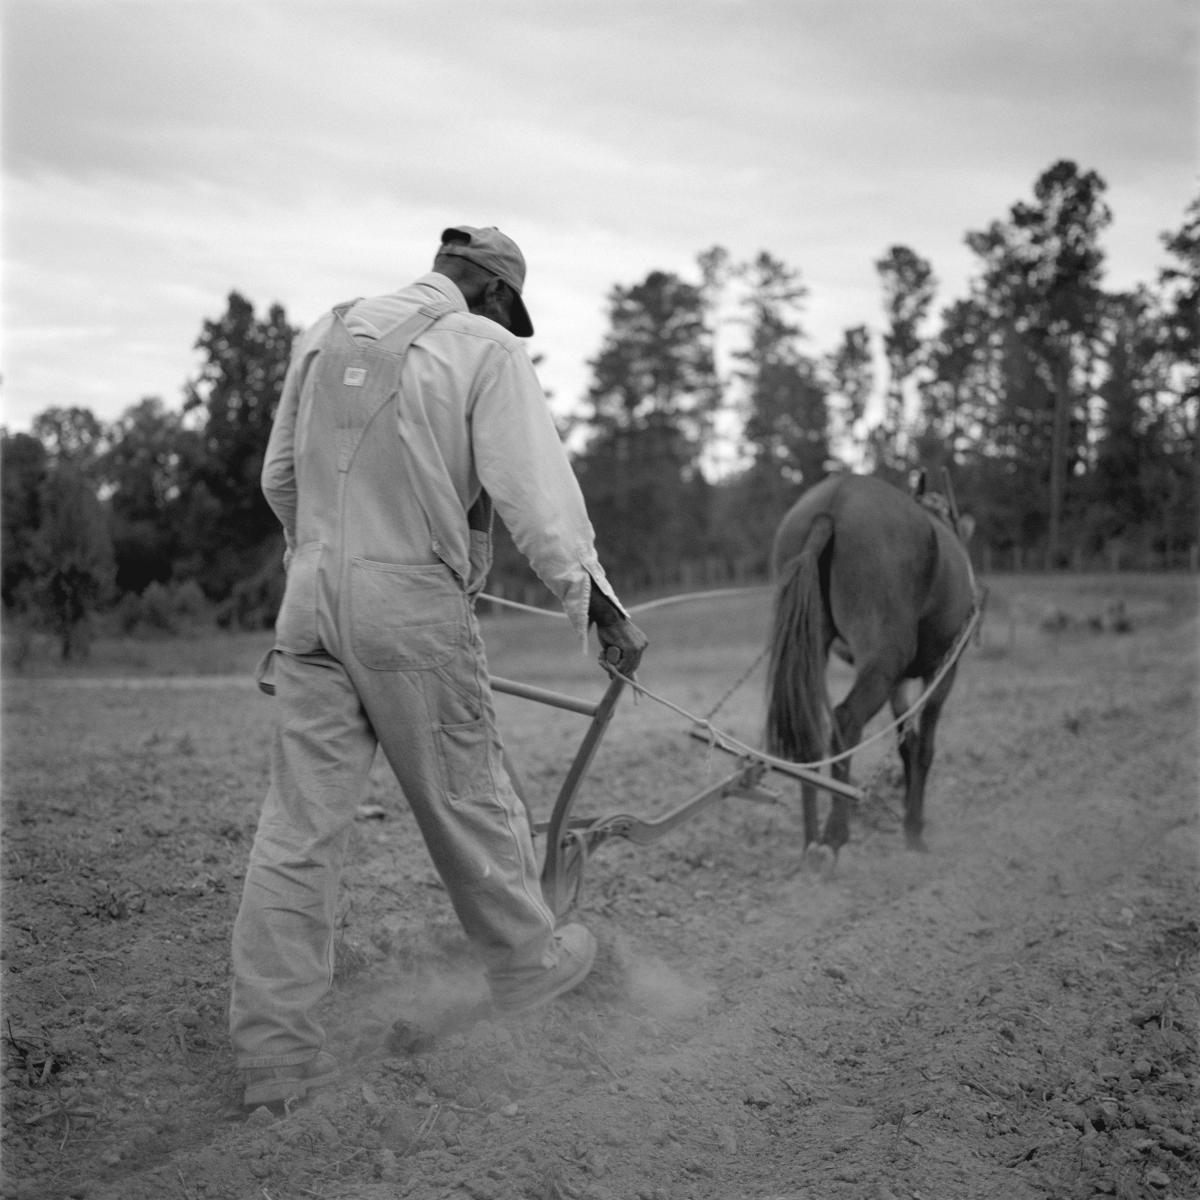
x=884, y=578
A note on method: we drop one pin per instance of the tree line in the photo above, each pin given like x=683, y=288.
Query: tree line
x=1065, y=413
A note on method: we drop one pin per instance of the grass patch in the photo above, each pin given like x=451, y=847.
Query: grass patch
x=204, y=652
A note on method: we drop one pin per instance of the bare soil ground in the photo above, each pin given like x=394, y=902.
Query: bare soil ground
x=1012, y=1015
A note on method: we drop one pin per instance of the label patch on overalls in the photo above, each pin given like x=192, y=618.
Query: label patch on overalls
x=355, y=376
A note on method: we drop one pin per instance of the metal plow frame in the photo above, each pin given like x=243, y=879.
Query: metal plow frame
x=569, y=840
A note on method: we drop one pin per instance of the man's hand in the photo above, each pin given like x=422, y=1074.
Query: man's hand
x=621, y=641
x=622, y=644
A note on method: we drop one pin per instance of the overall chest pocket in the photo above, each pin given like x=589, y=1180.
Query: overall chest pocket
x=405, y=618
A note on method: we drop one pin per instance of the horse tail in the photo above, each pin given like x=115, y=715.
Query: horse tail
x=798, y=708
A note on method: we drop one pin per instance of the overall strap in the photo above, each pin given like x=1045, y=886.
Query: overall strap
x=400, y=337
x=365, y=373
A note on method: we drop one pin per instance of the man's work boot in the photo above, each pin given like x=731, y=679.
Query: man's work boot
x=275, y=1085
x=576, y=953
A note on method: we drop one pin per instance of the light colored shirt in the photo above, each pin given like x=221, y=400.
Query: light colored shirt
x=470, y=421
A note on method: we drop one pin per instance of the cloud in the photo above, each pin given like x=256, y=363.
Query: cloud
x=159, y=154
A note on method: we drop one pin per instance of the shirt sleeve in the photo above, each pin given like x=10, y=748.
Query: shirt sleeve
x=279, y=463
x=523, y=466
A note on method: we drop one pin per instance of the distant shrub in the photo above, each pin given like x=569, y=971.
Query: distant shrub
x=190, y=602
x=19, y=641
x=163, y=608
x=158, y=611
x=127, y=613
x=255, y=601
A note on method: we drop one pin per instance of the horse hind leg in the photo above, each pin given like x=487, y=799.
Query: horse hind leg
x=916, y=753
x=908, y=740
x=867, y=696
x=817, y=856
x=808, y=800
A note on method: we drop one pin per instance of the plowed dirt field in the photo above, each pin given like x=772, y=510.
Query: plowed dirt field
x=1011, y=1015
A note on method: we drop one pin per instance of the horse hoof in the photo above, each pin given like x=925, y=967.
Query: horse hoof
x=820, y=859
x=916, y=842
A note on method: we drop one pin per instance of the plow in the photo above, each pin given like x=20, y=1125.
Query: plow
x=570, y=839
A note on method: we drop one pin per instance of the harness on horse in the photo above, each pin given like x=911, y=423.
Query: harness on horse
x=944, y=506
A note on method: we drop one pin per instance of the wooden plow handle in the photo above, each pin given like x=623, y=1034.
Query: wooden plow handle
x=555, y=887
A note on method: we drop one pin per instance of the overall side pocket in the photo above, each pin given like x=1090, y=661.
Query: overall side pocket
x=296, y=625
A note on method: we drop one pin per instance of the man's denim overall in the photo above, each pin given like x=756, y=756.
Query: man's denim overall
x=376, y=644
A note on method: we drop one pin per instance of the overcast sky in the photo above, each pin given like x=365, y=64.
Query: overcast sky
x=158, y=154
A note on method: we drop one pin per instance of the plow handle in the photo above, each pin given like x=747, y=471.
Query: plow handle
x=553, y=884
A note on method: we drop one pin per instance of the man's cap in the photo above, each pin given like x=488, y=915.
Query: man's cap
x=495, y=252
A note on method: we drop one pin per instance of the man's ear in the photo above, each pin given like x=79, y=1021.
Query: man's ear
x=494, y=303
